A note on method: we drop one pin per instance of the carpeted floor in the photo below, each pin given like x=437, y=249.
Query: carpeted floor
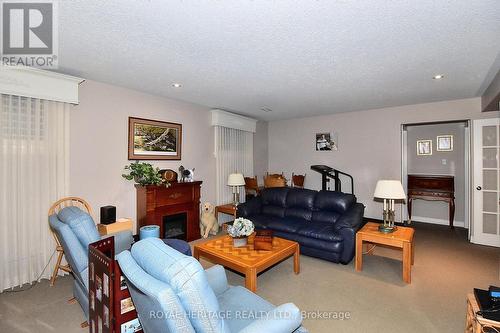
x=446, y=268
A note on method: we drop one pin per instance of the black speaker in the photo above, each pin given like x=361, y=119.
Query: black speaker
x=108, y=214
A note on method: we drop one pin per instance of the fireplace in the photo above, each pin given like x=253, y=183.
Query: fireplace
x=174, y=226
x=175, y=209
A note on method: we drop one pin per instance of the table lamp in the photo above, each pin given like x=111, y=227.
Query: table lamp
x=235, y=180
x=389, y=190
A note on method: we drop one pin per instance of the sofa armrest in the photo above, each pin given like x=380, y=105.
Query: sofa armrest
x=353, y=218
x=123, y=240
x=285, y=318
x=217, y=279
x=251, y=207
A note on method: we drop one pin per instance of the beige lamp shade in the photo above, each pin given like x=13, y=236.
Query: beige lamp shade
x=389, y=189
x=236, y=179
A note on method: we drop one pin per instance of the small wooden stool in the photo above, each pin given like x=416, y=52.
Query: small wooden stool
x=475, y=323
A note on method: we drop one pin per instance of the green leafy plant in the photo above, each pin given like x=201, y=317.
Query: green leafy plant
x=144, y=174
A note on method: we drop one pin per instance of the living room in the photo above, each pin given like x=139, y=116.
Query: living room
x=252, y=89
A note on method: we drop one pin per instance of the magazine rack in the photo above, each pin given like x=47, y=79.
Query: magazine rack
x=111, y=309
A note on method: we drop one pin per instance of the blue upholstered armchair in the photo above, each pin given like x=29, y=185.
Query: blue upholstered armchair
x=75, y=229
x=173, y=293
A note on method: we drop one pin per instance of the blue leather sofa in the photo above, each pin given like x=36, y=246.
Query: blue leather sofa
x=324, y=223
x=75, y=230
x=172, y=293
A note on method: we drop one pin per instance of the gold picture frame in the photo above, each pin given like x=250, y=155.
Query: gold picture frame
x=153, y=139
x=424, y=147
x=444, y=142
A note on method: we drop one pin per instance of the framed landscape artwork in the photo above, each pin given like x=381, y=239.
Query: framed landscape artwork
x=153, y=140
x=424, y=147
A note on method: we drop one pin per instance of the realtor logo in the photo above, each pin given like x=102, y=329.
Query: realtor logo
x=29, y=35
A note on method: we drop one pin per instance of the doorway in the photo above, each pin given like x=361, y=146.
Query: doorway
x=486, y=182
x=440, y=149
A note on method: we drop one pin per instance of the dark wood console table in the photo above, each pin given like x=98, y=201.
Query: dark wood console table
x=434, y=188
x=160, y=205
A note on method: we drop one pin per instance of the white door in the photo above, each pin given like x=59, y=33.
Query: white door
x=486, y=182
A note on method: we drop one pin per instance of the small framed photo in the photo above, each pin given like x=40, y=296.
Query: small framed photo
x=126, y=305
x=444, y=143
x=327, y=141
x=424, y=147
x=105, y=280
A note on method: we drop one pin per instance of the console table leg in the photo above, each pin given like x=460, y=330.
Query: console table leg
x=296, y=260
x=410, y=200
x=452, y=212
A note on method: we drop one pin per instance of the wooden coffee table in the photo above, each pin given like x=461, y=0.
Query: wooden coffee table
x=402, y=238
x=246, y=260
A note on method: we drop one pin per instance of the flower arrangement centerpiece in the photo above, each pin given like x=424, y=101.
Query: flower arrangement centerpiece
x=240, y=230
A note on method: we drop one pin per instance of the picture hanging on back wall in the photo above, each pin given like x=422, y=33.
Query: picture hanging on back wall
x=153, y=140
x=327, y=141
x=424, y=147
x=444, y=143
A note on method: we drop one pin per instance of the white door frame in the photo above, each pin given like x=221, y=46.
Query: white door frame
x=468, y=175
x=477, y=198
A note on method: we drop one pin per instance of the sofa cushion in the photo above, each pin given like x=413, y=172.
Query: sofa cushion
x=320, y=231
x=319, y=244
x=322, y=216
x=301, y=198
x=186, y=277
x=276, y=211
x=288, y=224
x=300, y=213
x=274, y=196
x=81, y=224
x=334, y=201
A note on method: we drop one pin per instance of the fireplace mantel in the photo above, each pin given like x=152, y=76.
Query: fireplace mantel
x=155, y=202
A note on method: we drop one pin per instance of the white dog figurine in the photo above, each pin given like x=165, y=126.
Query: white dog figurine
x=208, y=221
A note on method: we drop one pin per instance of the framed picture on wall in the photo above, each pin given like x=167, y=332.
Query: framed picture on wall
x=424, y=147
x=444, y=143
x=153, y=140
x=327, y=141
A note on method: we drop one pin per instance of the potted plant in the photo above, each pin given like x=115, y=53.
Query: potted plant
x=144, y=174
x=240, y=230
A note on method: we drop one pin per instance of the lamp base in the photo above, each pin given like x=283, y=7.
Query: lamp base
x=386, y=229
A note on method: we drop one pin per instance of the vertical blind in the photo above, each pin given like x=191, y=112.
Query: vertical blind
x=34, y=162
x=233, y=153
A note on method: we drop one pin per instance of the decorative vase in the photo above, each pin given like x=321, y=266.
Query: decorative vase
x=240, y=241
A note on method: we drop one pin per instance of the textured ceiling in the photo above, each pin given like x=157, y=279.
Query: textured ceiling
x=298, y=58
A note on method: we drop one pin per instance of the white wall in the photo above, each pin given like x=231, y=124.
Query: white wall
x=98, y=144
x=369, y=143
x=260, y=151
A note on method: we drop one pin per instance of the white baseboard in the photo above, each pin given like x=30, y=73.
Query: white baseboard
x=437, y=221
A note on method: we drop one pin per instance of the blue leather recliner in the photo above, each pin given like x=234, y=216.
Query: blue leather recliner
x=172, y=293
x=75, y=229
x=324, y=223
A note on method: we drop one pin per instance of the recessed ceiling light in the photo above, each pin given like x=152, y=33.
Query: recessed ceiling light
x=176, y=85
x=438, y=77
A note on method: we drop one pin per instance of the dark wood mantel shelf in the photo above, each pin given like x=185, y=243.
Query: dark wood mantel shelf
x=156, y=202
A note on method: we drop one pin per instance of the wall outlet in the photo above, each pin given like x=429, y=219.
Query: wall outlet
x=444, y=161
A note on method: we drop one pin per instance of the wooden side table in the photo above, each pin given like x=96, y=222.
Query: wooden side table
x=228, y=209
x=473, y=322
x=107, y=229
x=402, y=239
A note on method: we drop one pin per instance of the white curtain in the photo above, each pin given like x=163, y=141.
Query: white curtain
x=234, y=154
x=34, y=158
